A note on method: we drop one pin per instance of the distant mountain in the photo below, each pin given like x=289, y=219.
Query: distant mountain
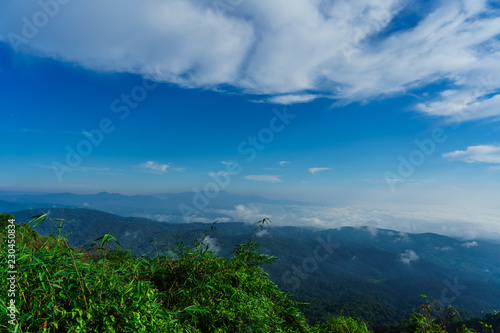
x=8, y=206
x=374, y=274
x=162, y=206
x=224, y=200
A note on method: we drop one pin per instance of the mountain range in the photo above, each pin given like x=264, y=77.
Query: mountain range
x=375, y=274
x=171, y=207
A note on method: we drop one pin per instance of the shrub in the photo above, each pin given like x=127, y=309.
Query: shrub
x=343, y=325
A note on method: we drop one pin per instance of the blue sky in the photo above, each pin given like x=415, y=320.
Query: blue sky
x=315, y=101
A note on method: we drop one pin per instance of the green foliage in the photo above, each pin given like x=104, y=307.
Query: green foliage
x=4, y=220
x=343, y=325
x=420, y=324
x=432, y=317
x=61, y=289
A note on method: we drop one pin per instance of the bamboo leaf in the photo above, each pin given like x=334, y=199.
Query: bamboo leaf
x=36, y=220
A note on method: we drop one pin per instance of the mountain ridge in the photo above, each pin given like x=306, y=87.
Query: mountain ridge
x=161, y=204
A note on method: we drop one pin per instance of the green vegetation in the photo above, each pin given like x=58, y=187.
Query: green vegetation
x=192, y=289
x=431, y=316
x=362, y=278
x=343, y=325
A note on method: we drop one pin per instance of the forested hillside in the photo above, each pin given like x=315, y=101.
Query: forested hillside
x=336, y=287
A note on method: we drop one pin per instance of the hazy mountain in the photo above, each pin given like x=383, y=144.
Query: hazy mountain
x=6, y=206
x=162, y=207
x=351, y=271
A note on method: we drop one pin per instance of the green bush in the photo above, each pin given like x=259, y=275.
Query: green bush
x=343, y=325
x=61, y=289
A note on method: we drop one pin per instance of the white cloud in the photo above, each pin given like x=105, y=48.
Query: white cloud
x=262, y=233
x=405, y=219
x=283, y=162
x=470, y=244
x=291, y=99
x=218, y=174
x=265, y=178
x=403, y=237
x=82, y=169
x=465, y=104
x=153, y=166
x=211, y=243
x=158, y=217
x=372, y=230
x=290, y=50
x=316, y=170
x=245, y=213
x=190, y=219
x=408, y=256
x=475, y=154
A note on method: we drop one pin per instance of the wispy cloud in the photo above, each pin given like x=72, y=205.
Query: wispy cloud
x=283, y=162
x=470, y=244
x=153, y=166
x=211, y=243
x=316, y=170
x=265, y=178
x=405, y=219
x=403, y=237
x=245, y=213
x=80, y=168
x=262, y=233
x=265, y=47
x=292, y=99
x=372, y=230
x=408, y=256
x=29, y=130
x=475, y=154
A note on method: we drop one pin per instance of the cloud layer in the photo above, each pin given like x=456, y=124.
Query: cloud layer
x=291, y=51
x=265, y=178
x=475, y=154
x=153, y=166
x=454, y=223
x=316, y=170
